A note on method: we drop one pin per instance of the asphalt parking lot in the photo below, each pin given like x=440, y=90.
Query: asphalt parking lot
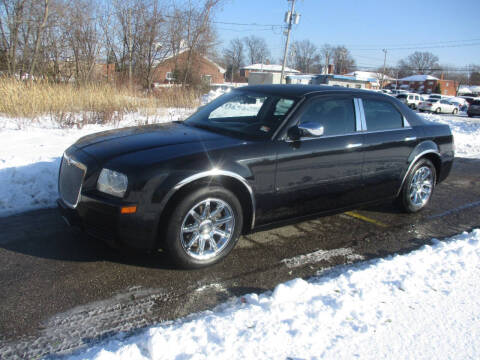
x=61, y=290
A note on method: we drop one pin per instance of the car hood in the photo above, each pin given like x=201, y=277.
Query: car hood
x=106, y=145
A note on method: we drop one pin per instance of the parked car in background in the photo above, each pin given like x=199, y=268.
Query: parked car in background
x=411, y=100
x=462, y=104
x=469, y=99
x=438, y=106
x=474, y=109
x=252, y=158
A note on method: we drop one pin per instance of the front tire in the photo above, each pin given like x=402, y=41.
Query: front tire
x=418, y=186
x=455, y=111
x=204, y=227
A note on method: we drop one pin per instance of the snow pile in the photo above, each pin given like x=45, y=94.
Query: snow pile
x=30, y=157
x=422, y=305
x=466, y=133
x=212, y=95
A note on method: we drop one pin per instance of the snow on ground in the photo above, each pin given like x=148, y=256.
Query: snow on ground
x=466, y=133
x=421, y=305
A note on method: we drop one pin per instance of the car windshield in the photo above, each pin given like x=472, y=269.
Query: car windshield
x=243, y=114
x=476, y=102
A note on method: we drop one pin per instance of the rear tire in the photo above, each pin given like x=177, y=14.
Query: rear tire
x=204, y=227
x=438, y=110
x=418, y=187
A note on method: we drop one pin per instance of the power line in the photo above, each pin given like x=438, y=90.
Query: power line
x=243, y=24
x=414, y=44
x=419, y=47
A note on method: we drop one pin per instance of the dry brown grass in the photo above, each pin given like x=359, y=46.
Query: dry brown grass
x=98, y=102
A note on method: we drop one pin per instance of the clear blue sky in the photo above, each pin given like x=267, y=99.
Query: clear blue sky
x=362, y=25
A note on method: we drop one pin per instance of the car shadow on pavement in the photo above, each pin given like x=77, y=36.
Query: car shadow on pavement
x=44, y=234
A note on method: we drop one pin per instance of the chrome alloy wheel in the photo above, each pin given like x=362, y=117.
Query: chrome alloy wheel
x=421, y=186
x=207, y=228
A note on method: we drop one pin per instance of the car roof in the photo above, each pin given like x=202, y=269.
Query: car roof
x=304, y=90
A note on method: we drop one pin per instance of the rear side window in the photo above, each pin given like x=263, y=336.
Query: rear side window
x=381, y=115
x=337, y=116
x=476, y=102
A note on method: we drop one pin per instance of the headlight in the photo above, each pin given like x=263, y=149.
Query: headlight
x=112, y=182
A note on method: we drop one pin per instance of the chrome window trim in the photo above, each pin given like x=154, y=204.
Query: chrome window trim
x=386, y=130
x=212, y=173
x=412, y=163
x=80, y=166
x=358, y=115
x=362, y=113
x=307, y=138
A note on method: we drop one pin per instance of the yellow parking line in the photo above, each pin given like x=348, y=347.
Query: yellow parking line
x=364, y=218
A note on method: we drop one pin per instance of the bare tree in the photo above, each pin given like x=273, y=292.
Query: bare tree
x=418, y=63
x=233, y=56
x=342, y=60
x=65, y=39
x=38, y=36
x=305, y=56
x=83, y=37
x=197, y=21
x=11, y=19
x=257, y=49
x=153, y=45
x=326, y=54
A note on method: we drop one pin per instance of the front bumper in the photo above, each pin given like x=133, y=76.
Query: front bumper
x=102, y=219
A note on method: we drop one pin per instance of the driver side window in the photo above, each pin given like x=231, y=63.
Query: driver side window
x=337, y=115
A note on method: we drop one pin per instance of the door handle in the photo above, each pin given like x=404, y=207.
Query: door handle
x=412, y=138
x=351, y=146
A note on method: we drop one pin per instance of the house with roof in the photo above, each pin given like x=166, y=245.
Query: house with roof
x=427, y=84
x=202, y=68
x=341, y=80
x=374, y=78
x=266, y=68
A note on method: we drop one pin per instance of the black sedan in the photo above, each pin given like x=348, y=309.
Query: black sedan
x=257, y=156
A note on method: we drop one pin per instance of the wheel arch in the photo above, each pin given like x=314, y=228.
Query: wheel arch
x=231, y=181
x=427, y=149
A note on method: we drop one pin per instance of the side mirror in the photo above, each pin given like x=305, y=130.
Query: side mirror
x=307, y=129
x=311, y=128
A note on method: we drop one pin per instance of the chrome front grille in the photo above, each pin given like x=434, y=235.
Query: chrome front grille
x=70, y=180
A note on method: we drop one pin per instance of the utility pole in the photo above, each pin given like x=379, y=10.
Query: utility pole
x=289, y=20
x=384, y=66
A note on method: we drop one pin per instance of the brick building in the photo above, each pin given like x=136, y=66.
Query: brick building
x=427, y=84
x=201, y=67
